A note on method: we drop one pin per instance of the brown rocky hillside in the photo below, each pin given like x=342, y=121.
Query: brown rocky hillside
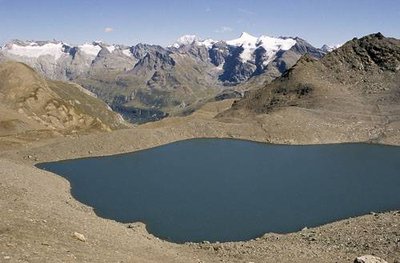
x=28, y=102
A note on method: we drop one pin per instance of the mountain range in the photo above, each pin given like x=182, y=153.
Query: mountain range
x=148, y=82
x=351, y=90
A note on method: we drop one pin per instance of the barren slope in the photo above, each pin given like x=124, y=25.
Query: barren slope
x=29, y=103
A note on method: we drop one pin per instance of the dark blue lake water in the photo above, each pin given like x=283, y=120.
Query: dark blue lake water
x=229, y=190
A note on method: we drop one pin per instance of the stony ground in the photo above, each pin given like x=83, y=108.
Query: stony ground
x=39, y=217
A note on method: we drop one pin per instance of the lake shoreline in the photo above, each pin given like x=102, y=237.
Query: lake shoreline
x=34, y=194
x=211, y=173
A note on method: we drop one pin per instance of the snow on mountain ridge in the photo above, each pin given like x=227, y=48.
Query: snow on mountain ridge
x=185, y=40
x=192, y=39
x=91, y=49
x=329, y=48
x=271, y=45
x=247, y=42
x=206, y=42
x=56, y=49
x=33, y=49
x=111, y=48
x=127, y=52
x=245, y=39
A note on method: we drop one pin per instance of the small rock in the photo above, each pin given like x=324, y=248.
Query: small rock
x=30, y=156
x=7, y=257
x=304, y=228
x=90, y=152
x=131, y=226
x=369, y=259
x=79, y=236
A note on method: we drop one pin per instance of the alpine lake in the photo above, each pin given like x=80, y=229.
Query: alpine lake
x=232, y=190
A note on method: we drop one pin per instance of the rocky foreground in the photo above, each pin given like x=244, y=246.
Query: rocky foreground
x=41, y=222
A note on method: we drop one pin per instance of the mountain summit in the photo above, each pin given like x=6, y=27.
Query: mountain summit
x=245, y=39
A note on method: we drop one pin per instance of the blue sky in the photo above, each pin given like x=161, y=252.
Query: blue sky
x=162, y=21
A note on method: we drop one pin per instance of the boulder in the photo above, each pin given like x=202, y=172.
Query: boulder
x=369, y=259
x=79, y=236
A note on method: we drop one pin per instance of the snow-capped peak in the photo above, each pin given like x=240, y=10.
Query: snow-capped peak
x=127, y=52
x=185, y=40
x=271, y=45
x=329, y=48
x=245, y=39
x=91, y=49
x=193, y=39
x=246, y=35
x=247, y=42
x=206, y=42
x=34, y=49
x=110, y=48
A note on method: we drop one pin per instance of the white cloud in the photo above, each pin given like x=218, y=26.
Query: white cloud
x=224, y=29
x=108, y=29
